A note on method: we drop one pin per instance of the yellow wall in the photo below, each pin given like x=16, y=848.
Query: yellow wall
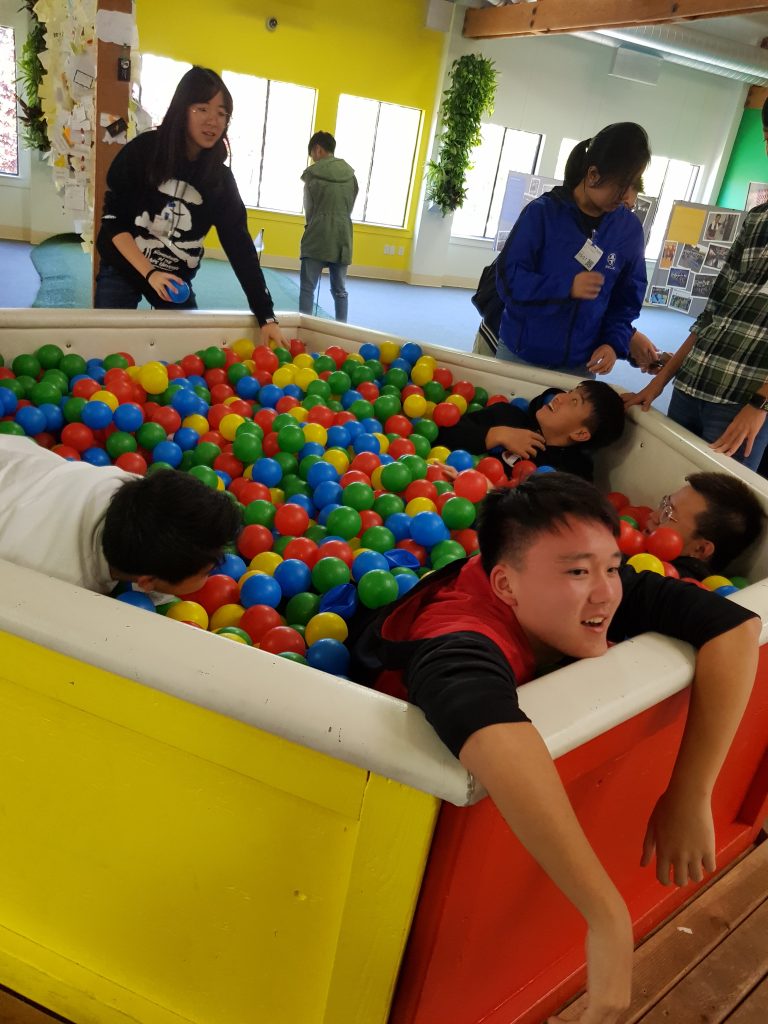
x=374, y=50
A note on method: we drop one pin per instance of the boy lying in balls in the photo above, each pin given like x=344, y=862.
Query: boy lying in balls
x=547, y=586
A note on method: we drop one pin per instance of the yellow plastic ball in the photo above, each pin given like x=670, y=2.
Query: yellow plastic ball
x=303, y=361
x=316, y=433
x=304, y=377
x=198, y=423
x=220, y=485
x=249, y=365
x=416, y=505
x=188, y=611
x=361, y=550
x=389, y=350
x=459, y=401
x=428, y=412
x=299, y=413
x=248, y=472
x=247, y=575
x=266, y=561
x=107, y=397
x=338, y=459
x=277, y=495
x=355, y=357
x=235, y=637
x=228, y=425
x=713, y=582
x=243, y=348
x=326, y=626
x=376, y=478
x=421, y=374
x=383, y=442
x=429, y=361
x=133, y=372
x=284, y=375
x=227, y=615
x=153, y=378
x=231, y=399
x=354, y=543
x=414, y=405
x=646, y=563
x=439, y=453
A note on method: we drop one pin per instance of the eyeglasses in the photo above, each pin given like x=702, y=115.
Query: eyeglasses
x=666, y=511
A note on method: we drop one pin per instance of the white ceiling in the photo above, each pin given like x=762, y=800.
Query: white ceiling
x=748, y=28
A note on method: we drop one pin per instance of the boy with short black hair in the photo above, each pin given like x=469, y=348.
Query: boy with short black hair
x=93, y=526
x=548, y=585
x=558, y=428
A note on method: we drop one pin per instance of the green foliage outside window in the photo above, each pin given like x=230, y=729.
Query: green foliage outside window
x=34, y=127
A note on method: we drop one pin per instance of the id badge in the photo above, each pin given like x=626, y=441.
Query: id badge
x=588, y=255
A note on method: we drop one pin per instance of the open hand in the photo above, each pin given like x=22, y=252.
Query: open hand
x=645, y=397
x=682, y=834
x=743, y=429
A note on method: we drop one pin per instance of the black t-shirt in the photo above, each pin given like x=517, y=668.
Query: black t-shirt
x=169, y=223
x=470, y=432
x=462, y=681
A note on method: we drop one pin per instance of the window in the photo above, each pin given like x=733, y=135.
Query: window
x=379, y=140
x=9, y=128
x=270, y=130
x=159, y=78
x=668, y=180
x=502, y=150
x=566, y=146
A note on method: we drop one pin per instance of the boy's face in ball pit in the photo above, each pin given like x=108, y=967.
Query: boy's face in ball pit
x=680, y=511
x=563, y=420
x=185, y=586
x=565, y=590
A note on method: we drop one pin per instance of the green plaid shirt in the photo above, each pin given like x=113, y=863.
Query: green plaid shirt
x=729, y=361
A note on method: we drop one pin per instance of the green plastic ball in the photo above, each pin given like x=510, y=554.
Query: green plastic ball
x=377, y=588
x=388, y=504
x=44, y=392
x=26, y=365
x=213, y=357
x=395, y=477
x=458, y=513
x=344, y=521
x=49, y=356
x=291, y=438
x=426, y=428
x=301, y=608
x=72, y=365
x=247, y=448
x=417, y=466
x=378, y=538
x=206, y=476
x=73, y=409
x=115, y=361
x=203, y=455
x=329, y=572
x=259, y=512
x=119, y=442
x=358, y=495
x=339, y=382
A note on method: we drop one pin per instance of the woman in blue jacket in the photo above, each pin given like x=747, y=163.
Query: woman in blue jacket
x=572, y=276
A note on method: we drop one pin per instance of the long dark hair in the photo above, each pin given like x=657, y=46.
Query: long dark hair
x=620, y=153
x=198, y=85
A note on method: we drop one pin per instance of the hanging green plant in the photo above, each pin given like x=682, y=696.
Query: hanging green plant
x=34, y=127
x=471, y=94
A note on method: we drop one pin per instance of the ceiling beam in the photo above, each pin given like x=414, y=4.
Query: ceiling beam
x=548, y=16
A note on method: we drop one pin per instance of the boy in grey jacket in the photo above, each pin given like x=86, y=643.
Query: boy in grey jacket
x=330, y=190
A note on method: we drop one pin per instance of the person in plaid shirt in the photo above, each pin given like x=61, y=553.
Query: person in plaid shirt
x=721, y=370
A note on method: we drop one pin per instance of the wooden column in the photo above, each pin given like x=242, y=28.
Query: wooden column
x=112, y=97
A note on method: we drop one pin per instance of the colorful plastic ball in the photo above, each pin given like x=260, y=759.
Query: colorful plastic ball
x=715, y=582
x=333, y=547
x=739, y=582
x=120, y=442
x=666, y=543
x=631, y=541
x=446, y=551
x=293, y=577
x=326, y=626
x=96, y=457
x=231, y=565
x=235, y=634
x=367, y=561
x=153, y=377
x=291, y=520
x=471, y=485
x=725, y=591
x=377, y=588
x=399, y=525
x=137, y=599
x=77, y=436
x=267, y=472
x=283, y=640
x=618, y=500
x=132, y=462
x=396, y=477
x=329, y=572
x=259, y=619
x=260, y=589
x=217, y=590
x=378, y=538
x=31, y=420
x=405, y=583
x=458, y=513
x=646, y=563
x=358, y=496
x=428, y=529
x=329, y=656
x=301, y=608
x=344, y=521
x=226, y=615
x=188, y=611
x=254, y=538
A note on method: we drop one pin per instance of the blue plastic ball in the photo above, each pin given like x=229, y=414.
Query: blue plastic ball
x=400, y=525
x=370, y=351
x=428, y=529
x=405, y=583
x=460, y=460
x=8, y=401
x=178, y=291
x=320, y=473
x=306, y=503
x=230, y=565
x=325, y=511
x=270, y=395
x=54, y=417
x=293, y=391
x=349, y=397
x=372, y=426
x=329, y=656
x=542, y=469
x=223, y=476
x=267, y=472
x=31, y=420
x=520, y=403
x=311, y=448
x=366, y=443
x=366, y=562
x=128, y=417
x=167, y=451
x=247, y=388
x=137, y=599
x=327, y=493
x=354, y=429
x=411, y=352
x=185, y=402
x=725, y=591
x=96, y=415
x=338, y=437
x=186, y=438
x=262, y=589
x=96, y=457
x=293, y=577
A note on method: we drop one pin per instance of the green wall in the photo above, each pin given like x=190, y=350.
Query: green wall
x=748, y=162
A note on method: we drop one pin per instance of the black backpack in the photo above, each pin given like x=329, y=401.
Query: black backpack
x=486, y=299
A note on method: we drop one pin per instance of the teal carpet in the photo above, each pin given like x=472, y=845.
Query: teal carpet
x=65, y=280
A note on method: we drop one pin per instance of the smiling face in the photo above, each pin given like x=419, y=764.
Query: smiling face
x=680, y=511
x=565, y=590
x=563, y=421
x=206, y=123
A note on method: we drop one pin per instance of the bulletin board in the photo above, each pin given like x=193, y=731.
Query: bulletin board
x=696, y=244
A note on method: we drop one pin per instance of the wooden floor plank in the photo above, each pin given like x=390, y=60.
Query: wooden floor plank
x=754, y=1009
x=678, y=946
x=16, y=1011
x=717, y=985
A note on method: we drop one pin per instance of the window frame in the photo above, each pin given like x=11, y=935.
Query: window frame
x=21, y=175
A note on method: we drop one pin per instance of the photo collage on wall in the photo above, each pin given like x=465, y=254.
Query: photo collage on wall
x=695, y=247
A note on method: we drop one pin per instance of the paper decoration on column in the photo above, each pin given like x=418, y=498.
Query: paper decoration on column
x=68, y=98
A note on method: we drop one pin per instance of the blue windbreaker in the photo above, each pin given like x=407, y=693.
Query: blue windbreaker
x=541, y=323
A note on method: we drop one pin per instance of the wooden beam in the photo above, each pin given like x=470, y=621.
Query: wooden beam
x=546, y=16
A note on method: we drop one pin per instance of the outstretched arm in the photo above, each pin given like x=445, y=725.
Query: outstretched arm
x=680, y=829
x=513, y=763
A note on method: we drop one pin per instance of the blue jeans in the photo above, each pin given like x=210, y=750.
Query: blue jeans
x=708, y=420
x=506, y=356
x=311, y=270
x=116, y=291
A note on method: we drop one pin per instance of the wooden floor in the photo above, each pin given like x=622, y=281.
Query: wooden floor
x=707, y=965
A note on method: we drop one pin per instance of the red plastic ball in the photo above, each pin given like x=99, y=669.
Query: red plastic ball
x=227, y=463
x=213, y=437
x=420, y=489
x=259, y=619
x=115, y=376
x=354, y=476
x=401, y=446
x=369, y=518
x=296, y=346
x=337, y=549
x=471, y=484
x=220, y=392
x=302, y=548
x=174, y=371
x=85, y=388
x=631, y=541
x=640, y=513
x=467, y=538
x=283, y=639
x=368, y=390
x=465, y=389
x=168, y=419
x=216, y=591
x=492, y=468
x=365, y=463
x=411, y=389
x=131, y=462
x=446, y=414
x=665, y=543
x=254, y=491
x=66, y=452
x=291, y=520
x=265, y=359
x=78, y=436
x=670, y=570
x=192, y=365
x=337, y=354
x=217, y=375
x=321, y=414
x=254, y=539
x=286, y=403
x=618, y=500
x=270, y=445
x=265, y=418
x=443, y=376
x=522, y=470
x=342, y=417
x=398, y=424
x=495, y=399
x=415, y=549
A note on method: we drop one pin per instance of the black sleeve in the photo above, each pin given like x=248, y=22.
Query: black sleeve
x=653, y=603
x=462, y=682
x=231, y=222
x=470, y=432
x=126, y=183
